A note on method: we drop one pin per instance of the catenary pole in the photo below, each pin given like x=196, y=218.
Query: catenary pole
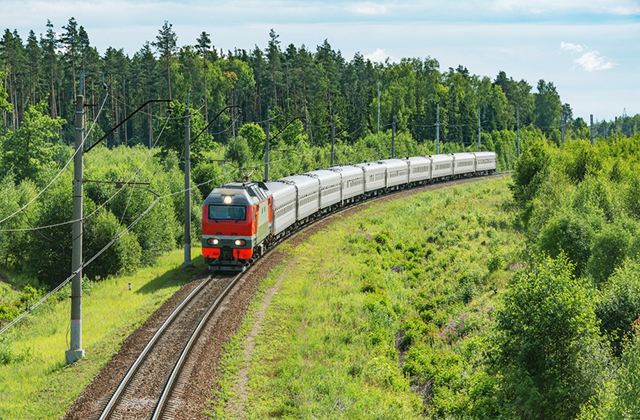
x=187, y=184
x=479, y=133
x=518, y=125
x=75, y=351
x=563, y=125
x=437, y=129
x=266, y=144
x=333, y=135
x=591, y=117
x=393, y=137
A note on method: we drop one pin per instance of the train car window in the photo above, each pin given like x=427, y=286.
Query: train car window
x=227, y=212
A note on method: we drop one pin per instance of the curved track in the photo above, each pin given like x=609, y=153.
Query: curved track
x=154, y=387
x=138, y=394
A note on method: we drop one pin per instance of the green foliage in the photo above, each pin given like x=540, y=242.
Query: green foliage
x=610, y=247
x=568, y=234
x=28, y=149
x=619, y=304
x=13, y=244
x=255, y=138
x=125, y=254
x=238, y=151
x=548, y=322
x=530, y=171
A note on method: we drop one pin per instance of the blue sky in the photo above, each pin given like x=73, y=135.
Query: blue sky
x=589, y=49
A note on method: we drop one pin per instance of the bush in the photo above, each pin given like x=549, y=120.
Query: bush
x=569, y=234
x=610, y=247
x=123, y=256
x=619, y=305
x=530, y=171
x=548, y=322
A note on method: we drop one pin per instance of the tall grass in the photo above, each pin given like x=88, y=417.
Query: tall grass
x=39, y=385
x=383, y=314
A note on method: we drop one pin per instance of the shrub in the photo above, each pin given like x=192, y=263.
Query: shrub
x=569, y=234
x=619, y=305
x=547, y=322
x=610, y=247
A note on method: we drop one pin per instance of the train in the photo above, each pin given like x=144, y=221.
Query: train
x=242, y=220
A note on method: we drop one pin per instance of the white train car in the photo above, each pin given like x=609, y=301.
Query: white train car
x=464, y=164
x=352, y=180
x=375, y=176
x=441, y=166
x=486, y=162
x=330, y=187
x=397, y=173
x=308, y=201
x=284, y=205
x=419, y=169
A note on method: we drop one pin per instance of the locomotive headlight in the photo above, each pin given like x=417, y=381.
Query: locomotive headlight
x=240, y=242
x=213, y=241
x=227, y=199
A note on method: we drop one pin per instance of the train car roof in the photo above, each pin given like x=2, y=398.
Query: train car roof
x=323, y=175
x=241, y=193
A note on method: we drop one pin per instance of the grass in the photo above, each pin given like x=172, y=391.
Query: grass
x=39, y=385
x=413, y=280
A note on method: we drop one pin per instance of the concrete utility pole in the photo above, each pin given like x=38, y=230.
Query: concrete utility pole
x=76, y=351
x=518, y=125
x=187, y=184
x=437, y=129
x=479, y=133
x=563, y=125
x=591, y=117
x=378, y=106
x=266, y=144
x=333, y=134
x=393, y=137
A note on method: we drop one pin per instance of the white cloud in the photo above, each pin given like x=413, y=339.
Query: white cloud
x=369, y=8
x=593, y=61
x=378, y=55
x=571, y=47
x=590, y=60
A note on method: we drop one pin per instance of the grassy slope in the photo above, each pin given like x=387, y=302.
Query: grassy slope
x=416, y=278
x=42, y=386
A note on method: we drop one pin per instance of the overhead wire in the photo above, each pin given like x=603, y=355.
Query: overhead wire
x=107, y=246
x=80, y=148
x=124, y=184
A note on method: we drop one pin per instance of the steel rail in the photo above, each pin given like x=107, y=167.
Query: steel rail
x=164, y=398
x=115, y=398
x=171, y=382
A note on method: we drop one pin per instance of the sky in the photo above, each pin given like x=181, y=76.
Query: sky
x=589, y=49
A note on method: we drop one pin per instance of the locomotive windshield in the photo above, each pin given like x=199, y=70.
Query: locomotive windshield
x=227, y=212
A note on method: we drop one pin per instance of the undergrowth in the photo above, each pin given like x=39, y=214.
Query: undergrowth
x=385, y=314
x=35, y=383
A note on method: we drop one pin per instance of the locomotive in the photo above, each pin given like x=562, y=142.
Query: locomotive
x=242, y=220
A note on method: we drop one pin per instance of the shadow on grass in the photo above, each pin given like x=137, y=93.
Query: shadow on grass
x=175, y=277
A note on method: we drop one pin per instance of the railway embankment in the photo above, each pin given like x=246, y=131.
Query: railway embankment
x=40, y=385
x=386, y=313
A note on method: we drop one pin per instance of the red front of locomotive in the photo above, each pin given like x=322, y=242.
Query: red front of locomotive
x=231, y=225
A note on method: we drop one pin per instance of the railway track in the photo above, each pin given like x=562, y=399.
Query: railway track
x=154, y=386
x=150, y=387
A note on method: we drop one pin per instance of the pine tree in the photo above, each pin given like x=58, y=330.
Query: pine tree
x=166, y=44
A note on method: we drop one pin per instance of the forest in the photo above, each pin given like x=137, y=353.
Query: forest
x=563, y=340
x=235, y=98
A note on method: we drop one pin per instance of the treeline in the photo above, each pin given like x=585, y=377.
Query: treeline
x=300, y=90
x=283, y=82
x=570, y=327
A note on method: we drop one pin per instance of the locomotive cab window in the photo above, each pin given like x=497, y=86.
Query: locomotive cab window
x=227, y=212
